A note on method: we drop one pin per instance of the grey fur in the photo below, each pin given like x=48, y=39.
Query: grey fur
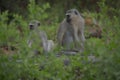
x=71, y=30
x=39, y=37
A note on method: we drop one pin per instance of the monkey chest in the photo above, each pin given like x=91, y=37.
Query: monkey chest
x=35, y=38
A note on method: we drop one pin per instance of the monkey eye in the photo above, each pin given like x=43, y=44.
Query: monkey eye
x=76, y=12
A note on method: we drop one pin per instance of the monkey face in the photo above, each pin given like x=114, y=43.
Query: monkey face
x=71, y=14
x=33, y=25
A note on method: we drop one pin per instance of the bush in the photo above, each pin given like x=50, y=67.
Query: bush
x=100, y=60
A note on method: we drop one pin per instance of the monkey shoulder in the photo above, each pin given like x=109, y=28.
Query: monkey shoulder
x=81, y=19
x=62, y=26
x=63, y=23
x=43, y=35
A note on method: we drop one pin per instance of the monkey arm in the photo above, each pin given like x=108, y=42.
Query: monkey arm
x=61, y=32
x=82, y=36
x=75, y=35
x=43, y=37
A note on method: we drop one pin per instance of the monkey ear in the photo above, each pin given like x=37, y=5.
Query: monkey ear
x=39, y=24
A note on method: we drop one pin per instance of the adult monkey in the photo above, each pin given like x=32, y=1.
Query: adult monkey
x=38, y=38
x=71, y=30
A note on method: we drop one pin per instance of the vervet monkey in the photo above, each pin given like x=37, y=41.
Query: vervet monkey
x=71, y=30
x=38, y=38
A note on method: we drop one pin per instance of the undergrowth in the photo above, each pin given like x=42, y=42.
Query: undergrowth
x=21, y=64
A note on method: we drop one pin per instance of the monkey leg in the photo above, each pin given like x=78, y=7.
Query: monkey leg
x=82, y=40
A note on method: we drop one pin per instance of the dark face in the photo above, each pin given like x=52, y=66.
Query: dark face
x=31, y=27
x=71, y=14
x=68, y=19
x=68, y=16
x=34, y=25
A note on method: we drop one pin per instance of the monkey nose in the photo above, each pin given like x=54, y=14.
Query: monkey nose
x=31, y=27
x=67, y=15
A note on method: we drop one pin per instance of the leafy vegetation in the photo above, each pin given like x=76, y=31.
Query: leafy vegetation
x=17, y=61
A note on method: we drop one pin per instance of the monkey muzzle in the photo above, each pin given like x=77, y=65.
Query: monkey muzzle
x=31, y=27
x=68, y=19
